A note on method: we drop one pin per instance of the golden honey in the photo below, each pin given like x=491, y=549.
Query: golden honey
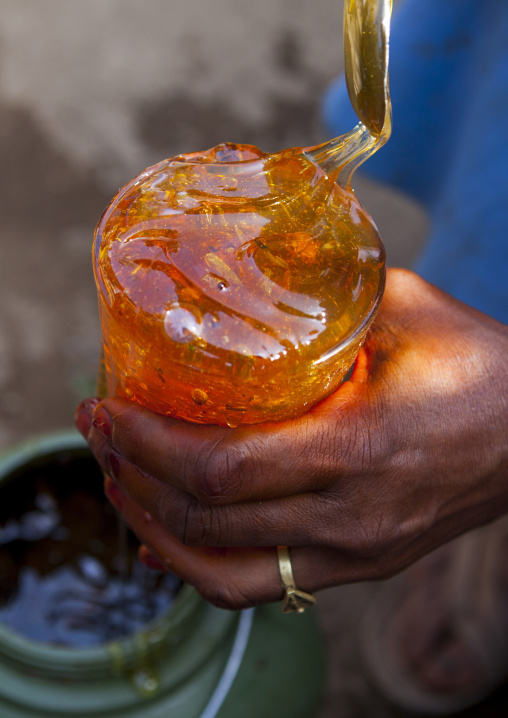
x=234, y=286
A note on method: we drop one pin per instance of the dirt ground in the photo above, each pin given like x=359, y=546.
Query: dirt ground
x=90, y=94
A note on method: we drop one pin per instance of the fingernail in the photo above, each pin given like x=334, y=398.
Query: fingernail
x=151, y=561
x=114, y=465
x=114, y=494
x=102, y=422
x=83, y=415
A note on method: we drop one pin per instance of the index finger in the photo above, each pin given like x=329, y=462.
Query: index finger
x=219, y=465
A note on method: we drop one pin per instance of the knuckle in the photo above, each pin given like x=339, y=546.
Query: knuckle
x=165, y=509
x=212, y=479
x=403, y=276
x=406, y=285
x=374, y=449
x=316, y=522
x=218, y=473
x=320, y=454
x=195, y=523
x=368, y=540
x=374, y=538
x=174, y=513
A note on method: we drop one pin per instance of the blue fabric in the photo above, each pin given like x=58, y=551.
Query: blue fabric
x=449, y=148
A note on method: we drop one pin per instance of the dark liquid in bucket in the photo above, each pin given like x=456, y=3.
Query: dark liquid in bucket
x=62, y=581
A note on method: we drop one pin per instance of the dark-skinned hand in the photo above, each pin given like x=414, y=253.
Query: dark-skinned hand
x=407, y=454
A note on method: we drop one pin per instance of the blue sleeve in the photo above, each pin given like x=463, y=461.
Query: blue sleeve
x=449, y=88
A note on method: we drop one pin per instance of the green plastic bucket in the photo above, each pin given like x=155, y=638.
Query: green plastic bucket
x=196, y=661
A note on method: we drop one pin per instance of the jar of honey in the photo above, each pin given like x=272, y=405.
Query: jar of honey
x=234, y=286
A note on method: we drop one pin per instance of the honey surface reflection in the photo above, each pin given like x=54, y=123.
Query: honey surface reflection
x=234, y=286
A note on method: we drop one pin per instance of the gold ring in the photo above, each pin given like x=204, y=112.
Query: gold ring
x=293, y=599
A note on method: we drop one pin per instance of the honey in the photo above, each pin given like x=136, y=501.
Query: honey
x=234, y=286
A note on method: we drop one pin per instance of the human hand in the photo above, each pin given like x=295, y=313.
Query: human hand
x=409, y=453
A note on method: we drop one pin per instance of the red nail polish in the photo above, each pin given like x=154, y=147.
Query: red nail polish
x=114, y=494
x=83, y=415
x=87, y=405
x=113, y=465
x=102, y=422
x=83, y=422
x=151, y=561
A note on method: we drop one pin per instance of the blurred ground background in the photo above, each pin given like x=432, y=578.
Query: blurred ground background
x=90, y=94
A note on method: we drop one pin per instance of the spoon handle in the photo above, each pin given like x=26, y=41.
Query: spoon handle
x=366, y=39
x=366, y=42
